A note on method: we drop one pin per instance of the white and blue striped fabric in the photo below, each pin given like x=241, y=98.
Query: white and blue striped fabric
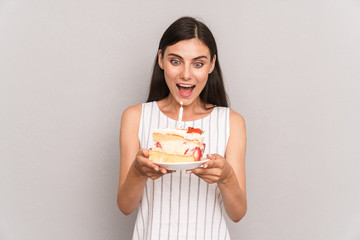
x=180, y=205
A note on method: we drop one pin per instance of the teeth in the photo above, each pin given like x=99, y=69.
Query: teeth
x=185, y=86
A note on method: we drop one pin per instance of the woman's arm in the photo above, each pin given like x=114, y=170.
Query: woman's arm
x=229, y=172
x=233, y=186
x=128, y=197
x=135, y=166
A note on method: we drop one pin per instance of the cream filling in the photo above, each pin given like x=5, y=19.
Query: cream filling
x=176, y=147
x=181, y=132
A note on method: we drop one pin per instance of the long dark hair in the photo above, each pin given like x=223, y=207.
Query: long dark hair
x=183, y=29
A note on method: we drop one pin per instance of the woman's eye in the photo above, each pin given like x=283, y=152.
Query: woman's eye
x=198, y=64
x=175, y=62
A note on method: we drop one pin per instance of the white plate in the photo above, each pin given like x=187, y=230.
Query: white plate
x=182, y=166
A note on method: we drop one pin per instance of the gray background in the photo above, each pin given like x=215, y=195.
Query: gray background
x=68, y=69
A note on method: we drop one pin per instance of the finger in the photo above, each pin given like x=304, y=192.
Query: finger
x=207, y=179
x=156, y=167
x=208, y=176
x=214, y=156
x=166, y=171
x=151, y=173
x=209, y=164
x=217, y=161
x=211, y=172
x=146, y=162
x=155, y=176
x=145, y=152
x=205, y=165
x=163, y=170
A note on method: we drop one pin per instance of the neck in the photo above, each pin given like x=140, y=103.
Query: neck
x=192, y=111
x=195, y=106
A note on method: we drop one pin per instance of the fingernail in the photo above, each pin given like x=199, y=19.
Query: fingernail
x=205, y=165
x=188, y=171
x=156, y=169
x=163, y=171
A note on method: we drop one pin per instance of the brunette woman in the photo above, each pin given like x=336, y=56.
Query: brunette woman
x=184, y=204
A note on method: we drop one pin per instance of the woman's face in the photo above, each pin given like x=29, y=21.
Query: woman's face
x=186, y=66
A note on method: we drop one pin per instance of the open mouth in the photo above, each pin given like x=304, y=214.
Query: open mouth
x=185, y=90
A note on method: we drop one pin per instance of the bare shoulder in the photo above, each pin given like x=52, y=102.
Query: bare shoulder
x=237, y=121
x=236, y=148
x=133, y=111
x=129, y=141
x=130, y=120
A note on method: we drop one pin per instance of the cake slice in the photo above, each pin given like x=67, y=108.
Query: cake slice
x=177, y=145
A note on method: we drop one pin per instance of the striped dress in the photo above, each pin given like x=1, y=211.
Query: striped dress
x=180, y=205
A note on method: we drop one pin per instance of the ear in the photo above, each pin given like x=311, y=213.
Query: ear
x=160, y=60
x=212, y=65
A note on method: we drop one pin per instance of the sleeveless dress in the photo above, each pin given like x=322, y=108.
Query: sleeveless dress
x=180, y=205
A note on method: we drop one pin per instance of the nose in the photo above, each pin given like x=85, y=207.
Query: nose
x=186, y=73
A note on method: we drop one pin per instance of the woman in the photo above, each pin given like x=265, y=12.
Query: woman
x=184, y=205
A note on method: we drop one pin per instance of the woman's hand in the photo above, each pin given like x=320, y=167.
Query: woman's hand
x=145, y=167
x=214, y=171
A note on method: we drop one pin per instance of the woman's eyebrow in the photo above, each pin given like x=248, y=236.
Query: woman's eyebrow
x=175, y=55
x=200, y=57
x=178, y=56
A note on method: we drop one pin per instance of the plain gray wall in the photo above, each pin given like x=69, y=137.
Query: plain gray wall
x=69, y=68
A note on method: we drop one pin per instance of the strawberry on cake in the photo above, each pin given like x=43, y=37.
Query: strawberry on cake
x=177, y=145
